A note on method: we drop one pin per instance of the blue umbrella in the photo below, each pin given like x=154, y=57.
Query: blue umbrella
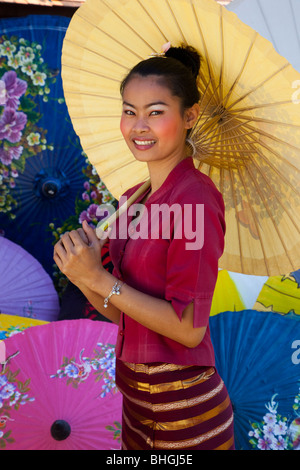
x=256, y=357
x=41, y=160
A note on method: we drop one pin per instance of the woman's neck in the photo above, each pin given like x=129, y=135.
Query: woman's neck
x=160, y=170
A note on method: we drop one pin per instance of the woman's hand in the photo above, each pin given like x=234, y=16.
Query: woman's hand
x=78, y=254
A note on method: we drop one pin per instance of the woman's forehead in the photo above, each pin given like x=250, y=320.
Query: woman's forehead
x=149, y=87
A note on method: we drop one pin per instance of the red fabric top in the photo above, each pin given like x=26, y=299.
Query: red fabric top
x=167, y=260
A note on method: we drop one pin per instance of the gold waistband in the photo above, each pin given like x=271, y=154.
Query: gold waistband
x=154, y=369
x=143, y=384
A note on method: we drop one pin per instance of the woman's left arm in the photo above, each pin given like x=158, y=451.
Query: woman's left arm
x=79, y=261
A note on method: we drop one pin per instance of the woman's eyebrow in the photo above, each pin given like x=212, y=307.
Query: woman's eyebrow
x=125, y=103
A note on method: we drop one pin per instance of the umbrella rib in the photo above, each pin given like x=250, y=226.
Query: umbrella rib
x=201, y=136
x=260, y=106
x=221, y=76
x=209, y=66
x=84, y=48
x=112, y=38
x=152, y=19
x=223, y=131
x=257, y=87
x=269, y=121
x=109, y=116
x=265, y=202
x=254, y=217
x=275, y=225
x=115, y=98
x=236, y=80
x=273, y=192
x=213, y=95
x=90, y=73
x=131, y=28
x=272, y=137
x=286, y=162
x=175, y=19
x=204, y=92
x=238, y=225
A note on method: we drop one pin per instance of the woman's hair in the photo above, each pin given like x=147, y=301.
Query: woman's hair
x=177, y=69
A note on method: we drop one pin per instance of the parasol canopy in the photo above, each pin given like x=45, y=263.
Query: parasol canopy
x=66, y=400
x=248, y=135
x=257, y=356
x=235, y=291
x=41, y=160
x=26, y=289
x=280, y=294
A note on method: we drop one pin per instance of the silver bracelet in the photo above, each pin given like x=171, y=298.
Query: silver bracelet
x=115, y=290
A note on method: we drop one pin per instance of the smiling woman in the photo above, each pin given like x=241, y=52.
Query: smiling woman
x=161, y=288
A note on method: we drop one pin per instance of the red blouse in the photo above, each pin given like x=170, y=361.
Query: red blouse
x=172, y=257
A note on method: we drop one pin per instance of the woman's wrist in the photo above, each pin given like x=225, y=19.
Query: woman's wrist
x=101, y=282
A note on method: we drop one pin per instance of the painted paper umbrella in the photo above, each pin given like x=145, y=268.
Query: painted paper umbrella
x=41, y=160
x=13, y=324
x=57, y=388
x=235, y=291
x=248, y=133
x=26, y=289
x=280, y=294
x=257, y=355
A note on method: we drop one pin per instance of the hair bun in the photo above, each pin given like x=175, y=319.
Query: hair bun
x=188, y=56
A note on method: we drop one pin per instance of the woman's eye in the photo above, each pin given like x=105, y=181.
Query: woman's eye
x=156, y=113
x=128, y=112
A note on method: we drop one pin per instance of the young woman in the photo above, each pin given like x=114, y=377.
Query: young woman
x=165, y=269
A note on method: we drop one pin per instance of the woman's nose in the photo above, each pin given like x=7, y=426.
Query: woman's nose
x=141, y=125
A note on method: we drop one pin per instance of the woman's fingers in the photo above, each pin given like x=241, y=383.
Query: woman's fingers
x=78, y=239
x=89, y=232
x=83, y=235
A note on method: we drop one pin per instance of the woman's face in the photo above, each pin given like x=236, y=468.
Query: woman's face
x=152, y=122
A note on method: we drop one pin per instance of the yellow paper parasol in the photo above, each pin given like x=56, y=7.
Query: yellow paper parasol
x=248, y=135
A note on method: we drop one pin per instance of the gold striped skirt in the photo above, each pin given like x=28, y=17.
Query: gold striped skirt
x=168, y=406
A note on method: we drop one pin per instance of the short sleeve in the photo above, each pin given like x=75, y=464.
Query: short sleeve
x=196, y=245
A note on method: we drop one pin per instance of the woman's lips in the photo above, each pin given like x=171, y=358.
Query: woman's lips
x=143, y=144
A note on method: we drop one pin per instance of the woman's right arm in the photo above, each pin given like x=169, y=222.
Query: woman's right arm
x=97, y=301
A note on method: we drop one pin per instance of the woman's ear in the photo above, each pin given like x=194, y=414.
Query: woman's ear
x=191, y=116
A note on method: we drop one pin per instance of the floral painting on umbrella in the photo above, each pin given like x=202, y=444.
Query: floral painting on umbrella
x=276, y=432
x=25, y=76
x=74, y=386
x=47, y=185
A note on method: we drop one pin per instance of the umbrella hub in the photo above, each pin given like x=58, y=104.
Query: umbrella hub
x=60, y=430
x=51, y=184
x=221, y=113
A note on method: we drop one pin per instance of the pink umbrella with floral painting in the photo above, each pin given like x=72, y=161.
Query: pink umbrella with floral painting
x=57, y=388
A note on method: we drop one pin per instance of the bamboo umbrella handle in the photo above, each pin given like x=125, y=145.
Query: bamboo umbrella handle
x=113, y=217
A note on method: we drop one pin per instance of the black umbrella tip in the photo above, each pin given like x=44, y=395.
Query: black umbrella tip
x=60, y=430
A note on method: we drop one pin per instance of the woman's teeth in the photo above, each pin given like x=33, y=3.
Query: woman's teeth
x=144, y=142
